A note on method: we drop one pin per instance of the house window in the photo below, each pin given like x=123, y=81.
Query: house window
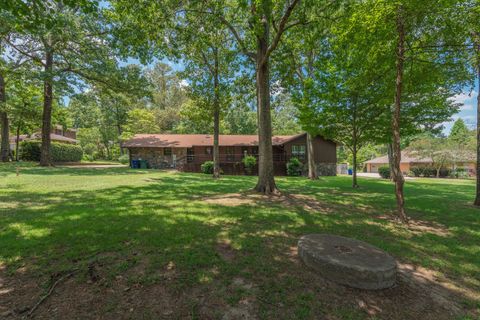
x=167, y=151
x=230, y=151
x=298, y=151
x=190, y=155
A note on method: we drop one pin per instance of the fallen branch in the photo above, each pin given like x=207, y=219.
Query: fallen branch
x=49, y=292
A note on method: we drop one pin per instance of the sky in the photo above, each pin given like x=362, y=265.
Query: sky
x=468, y=112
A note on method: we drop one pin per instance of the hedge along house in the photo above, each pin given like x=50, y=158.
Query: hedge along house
x=187, y=152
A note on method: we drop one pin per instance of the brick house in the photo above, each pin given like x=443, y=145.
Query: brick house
x=187, y=152
x=57, y=134
x=409, y=160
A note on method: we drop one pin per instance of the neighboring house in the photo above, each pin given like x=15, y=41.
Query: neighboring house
x=408, y=161
x=187, y=152
x=57, y=135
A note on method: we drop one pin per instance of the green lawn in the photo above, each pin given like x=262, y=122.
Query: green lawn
x=211, y=248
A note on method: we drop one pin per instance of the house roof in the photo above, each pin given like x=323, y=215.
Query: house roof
x=190, y=140
x=54, y=137
x=406, y=158
x=21, y=137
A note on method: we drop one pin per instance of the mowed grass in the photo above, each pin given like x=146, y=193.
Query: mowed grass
x=56, y=219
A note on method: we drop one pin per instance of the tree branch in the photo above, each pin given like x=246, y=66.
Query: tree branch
x=25, y=53
x=281, y=29
x=240, y=42
x=205, y=60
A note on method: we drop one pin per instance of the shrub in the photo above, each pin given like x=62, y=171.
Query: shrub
x=294, y=167
x=444, y=172
x=59, y=152
x=459, y=173
x=417, y=171
x=63, y=152
x=429, y=172
x=87, y=157
x=207, y=167
x=89, y=149
x=30, y=150
x=249, y=162
x=384, y=172
x=124, y=159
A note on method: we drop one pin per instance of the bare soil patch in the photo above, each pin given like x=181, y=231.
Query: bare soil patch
x=93, y=294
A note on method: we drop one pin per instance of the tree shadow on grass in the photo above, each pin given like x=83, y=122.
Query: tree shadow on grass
x=168, y=222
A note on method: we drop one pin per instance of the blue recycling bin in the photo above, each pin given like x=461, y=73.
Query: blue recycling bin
x=135, y=164
x=350, y=172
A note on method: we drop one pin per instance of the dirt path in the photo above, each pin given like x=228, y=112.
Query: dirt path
x=93, y=166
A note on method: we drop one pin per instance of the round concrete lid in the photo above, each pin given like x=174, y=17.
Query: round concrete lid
x=348, y=261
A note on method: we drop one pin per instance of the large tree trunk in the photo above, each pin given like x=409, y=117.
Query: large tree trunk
x=355, y=145
x=354, y=175
x=45, y=159
x=390, y=159
x=266, y=180
x=396, y=155
x=216, y=121
x=119, y=132
x=477, y=197
x=5, y=144
x=108, y=151
x=17, y=143
x=312, y=168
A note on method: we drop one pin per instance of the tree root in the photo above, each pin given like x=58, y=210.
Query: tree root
x=50, y=291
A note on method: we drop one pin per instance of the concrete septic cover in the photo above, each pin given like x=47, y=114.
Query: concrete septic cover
x=348, y=261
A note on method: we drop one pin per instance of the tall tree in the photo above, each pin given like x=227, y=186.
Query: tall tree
x=168, y=94
x=25, y=100
x=418, y=63
x=303, y=67
x=477, y=50
x=473, y=31
x=208, y=59
x=5, y=29
x=5, y=144
x=396, y=111
x=70, y=43
x=257, y=27
x=459, y=132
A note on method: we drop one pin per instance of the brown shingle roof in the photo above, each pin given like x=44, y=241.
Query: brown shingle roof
x=54, y=137
x=189, y=140
x=406, y=158
x=21, y=137
x=38, y=135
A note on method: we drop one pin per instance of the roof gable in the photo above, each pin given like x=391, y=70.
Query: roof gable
x=406, y=158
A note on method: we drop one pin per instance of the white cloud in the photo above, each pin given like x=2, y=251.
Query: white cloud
x=465, y=99
x=470, y=121
x=467, y=106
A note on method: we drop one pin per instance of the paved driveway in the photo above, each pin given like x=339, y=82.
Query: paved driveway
x=375, y=175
